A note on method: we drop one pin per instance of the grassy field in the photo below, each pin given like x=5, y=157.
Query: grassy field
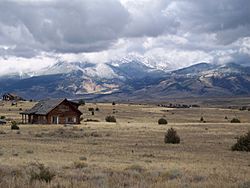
x=129, y=153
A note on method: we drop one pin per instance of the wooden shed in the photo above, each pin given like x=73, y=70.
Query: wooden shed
x=11, y=97
x=53, y=111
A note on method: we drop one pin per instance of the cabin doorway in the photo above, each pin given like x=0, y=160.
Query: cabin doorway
x=55, y=119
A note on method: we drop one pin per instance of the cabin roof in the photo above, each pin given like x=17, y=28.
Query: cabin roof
x=10, y=94
x=2, y=121
x=45, y=106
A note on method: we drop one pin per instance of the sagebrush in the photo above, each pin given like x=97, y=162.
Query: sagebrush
x=171, y=137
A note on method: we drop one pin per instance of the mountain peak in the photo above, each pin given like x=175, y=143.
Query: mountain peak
x=195, y=69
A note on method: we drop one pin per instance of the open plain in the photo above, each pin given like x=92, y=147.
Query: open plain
x=128, y=153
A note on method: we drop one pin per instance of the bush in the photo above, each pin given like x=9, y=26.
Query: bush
x=235, y=120
x=110, y=119
x=243, y=143
x=2, y=117
x=171, y=137
x=202, y=119
x=136, y=168
x=81, y=118
x=41, y=173
x=14, y=126
x=82, y=158
x=91, y=109
x=162, y=121
x=91, y=120
x=113, y=103
x=80, y=164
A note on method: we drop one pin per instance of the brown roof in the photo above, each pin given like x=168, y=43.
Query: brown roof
x=45, y=106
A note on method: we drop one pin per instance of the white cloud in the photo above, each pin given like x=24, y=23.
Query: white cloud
x=23, y=65
x=167, y=33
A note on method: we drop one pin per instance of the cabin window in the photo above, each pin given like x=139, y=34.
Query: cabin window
x=71, y=119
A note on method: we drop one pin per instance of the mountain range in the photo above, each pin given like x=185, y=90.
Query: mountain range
x=129, y=80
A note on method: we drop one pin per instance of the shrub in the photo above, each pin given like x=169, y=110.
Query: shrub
x=171, y=137
x=91, y=109
x=91, y=120
x=14, y=126
x=2, y=117
x=136, y=168
x=95, y=134
x=244, y=184
x=80, y=164
x=2, y=132
x=29, y=151
x=162, y=121
x=15, y=154
x=202, y=119
x=172, y=174
x=235, y=120
x=113, y=103
x=82, y=158
x=81, y=118
x=97, y=109
x=41, y=173
x=110, y=119
x=243, y=143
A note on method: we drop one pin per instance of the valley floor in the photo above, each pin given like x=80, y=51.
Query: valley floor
x=129, y=153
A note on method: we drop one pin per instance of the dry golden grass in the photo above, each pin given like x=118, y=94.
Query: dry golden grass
x=129, y=153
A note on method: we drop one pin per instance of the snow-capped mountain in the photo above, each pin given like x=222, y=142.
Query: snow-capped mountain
x=205, y=80
x=71, y=79
x=101, y=70
x=129, y=79
x=150, y=62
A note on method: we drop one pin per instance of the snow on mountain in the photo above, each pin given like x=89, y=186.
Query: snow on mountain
x=129, y=77
x=101, y=70
x=150, y=62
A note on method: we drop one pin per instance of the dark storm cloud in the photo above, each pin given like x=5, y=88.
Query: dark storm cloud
x=62, y=25
x=29, y=27
x=228, y=19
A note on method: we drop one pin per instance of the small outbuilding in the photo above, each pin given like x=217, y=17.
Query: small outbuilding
x=53, y=111
x=11, y=97
x=2, y=122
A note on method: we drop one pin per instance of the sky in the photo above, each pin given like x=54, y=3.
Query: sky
x=168, y=33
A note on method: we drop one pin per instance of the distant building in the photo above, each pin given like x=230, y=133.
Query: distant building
x=2, y=122
x=54, y=111
x=11, y=97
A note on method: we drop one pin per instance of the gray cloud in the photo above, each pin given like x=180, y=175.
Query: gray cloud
x=229, y=19
x=166, y=31
x=62, y=25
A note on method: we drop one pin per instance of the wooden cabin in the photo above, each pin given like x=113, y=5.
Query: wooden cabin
x=11, y=97
x=53, y=111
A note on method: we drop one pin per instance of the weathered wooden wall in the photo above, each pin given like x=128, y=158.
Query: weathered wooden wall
x=64, y=111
